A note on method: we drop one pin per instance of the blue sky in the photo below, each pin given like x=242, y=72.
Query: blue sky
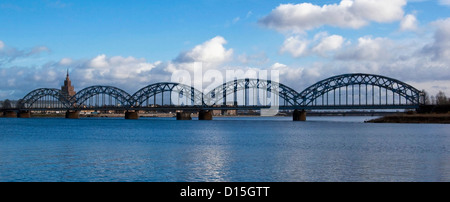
x=115, y=42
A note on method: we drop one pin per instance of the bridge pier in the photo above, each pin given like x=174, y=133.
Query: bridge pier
x=24, y=114
x=184, y=116
x=10, y=114
x=205, y=115
x=299, y=115
x=131, y=115
x=72, y=114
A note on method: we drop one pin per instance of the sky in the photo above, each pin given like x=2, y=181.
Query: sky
x=134, y=43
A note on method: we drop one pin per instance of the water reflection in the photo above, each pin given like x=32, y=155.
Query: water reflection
x=225, y=149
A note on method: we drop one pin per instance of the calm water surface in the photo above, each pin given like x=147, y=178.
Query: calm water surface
x=225, y=149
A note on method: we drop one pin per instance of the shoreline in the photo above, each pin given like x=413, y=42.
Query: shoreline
x=413, y=118
x=431, y=118
x=168, y=115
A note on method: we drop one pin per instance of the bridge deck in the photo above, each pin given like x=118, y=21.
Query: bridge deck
x=226, y=107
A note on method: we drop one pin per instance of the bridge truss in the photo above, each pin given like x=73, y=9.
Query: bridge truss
x=360, y=91
x=347, y=91
x=45, y=98
x=176, y=94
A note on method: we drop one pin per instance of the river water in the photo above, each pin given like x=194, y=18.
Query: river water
x=269, y=149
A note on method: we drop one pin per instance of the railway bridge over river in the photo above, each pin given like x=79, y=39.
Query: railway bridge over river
x=341, y=92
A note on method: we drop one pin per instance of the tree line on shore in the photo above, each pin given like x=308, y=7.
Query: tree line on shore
x=439, y=99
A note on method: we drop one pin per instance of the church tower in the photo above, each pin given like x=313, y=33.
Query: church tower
x=68, y=89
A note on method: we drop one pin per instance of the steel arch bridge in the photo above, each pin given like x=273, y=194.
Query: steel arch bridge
x=101, y=96
x=189, y=95
x=262, y=93
x=45, y=98
x=361, y=91
x=346, y=91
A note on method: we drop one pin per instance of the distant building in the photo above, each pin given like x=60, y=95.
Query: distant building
x=68, y=90
x=225, y=112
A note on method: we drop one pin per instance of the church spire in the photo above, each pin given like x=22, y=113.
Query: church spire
x=68, y=89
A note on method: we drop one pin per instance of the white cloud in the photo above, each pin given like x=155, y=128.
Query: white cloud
x=211, y=52
x=378, y=10
x=321, y=44
x=348, y=14
x=295, y=46
x=287, y=73
x=369, y=49
x=2, y=45
x=423, y=59
x=127, y=72
x=65, y=61
x=210, y=55
x=440, y=48
x=329, y=43
x=408, y=23
x=99, y=62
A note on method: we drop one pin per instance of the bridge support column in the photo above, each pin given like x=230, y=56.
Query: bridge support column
x=131, y=115
x=205, y=115
x=299, y=115
x=24, y=114
x=72, y=114
x=184, y=116
x=10, y=114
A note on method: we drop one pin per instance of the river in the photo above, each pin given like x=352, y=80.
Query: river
x=267, y=149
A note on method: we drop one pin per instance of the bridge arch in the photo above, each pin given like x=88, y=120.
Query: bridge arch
x=177, y=94
x=101, y=96
x=262, y=89
x=45, y=98
x=376, y=90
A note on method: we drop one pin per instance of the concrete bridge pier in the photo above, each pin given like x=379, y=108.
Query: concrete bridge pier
x=205, y=115
x=131, y=115
x=184, y=116
x=24, y=114
x=299, y=115
x=10, y=114
x=72, y=114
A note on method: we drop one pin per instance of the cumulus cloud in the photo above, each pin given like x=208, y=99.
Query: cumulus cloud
x=295, y=46
x=66, y=61
x=321, y=44
x=421, y=60
x=328, y=43
x=127, y=72
x=347, y=14
x=368, y=48
x=17, y=81
x=2, y=45
x=287, y=73
x=210, y=53
x=418, y=60
x=408, y=23
x=440, y=48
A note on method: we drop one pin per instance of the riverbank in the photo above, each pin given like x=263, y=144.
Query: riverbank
x=413, y=118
